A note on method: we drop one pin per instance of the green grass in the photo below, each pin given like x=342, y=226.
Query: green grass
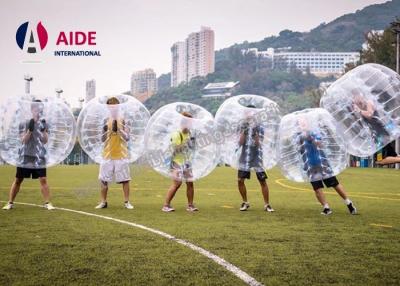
x=295, y=245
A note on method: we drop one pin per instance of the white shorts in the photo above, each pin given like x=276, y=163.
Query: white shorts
x=118, y=168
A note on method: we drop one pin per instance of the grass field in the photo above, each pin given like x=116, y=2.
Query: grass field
x=295, y=245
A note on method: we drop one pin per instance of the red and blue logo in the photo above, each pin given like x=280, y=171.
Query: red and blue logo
x=33, y=39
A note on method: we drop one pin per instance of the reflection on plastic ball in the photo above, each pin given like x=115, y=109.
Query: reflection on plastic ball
x=249, y=127
x=365, y=103
x=112, y=128
x=310, y=148
x=36, y=132
x=180, y=142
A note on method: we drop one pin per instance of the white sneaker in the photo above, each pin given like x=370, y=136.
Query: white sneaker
x=128, y=206
x=268, y=208
x=192, y=208
x=244, y=207
x=49, y=206
x=167, y=209
x=8, y=206
x=102, y=205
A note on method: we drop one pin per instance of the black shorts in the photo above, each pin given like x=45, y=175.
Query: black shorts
x=28, y=173
x=261, y=176
x=330, y=182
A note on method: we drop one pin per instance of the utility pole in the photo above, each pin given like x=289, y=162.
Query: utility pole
x=28, y=80
x=396, y=29
x=58, y=92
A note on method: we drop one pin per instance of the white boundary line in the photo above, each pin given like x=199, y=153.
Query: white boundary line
x=228, y=266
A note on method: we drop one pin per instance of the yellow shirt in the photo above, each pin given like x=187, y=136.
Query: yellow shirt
x=179, y=140
x=115, y=146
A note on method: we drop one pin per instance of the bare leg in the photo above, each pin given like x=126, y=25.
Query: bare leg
x=171, y=192
x=190, y=192
x=340, y=190
x=242, y=189
x=15, y=189
x=265, y=191
x=125, y=187
x=321, y=197
x=44, y=187
x=104, y=190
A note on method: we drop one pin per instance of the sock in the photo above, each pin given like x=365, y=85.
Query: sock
x=347, y=201
x=326, y=206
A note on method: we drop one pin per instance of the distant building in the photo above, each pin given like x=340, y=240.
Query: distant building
x=90, y=90
x=318, y=63
x=179, y=63
x=143, y=84
x=194, y=57
x=219, y=89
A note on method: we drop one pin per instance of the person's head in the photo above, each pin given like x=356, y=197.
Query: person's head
x=303, y=124
x=186, y=122
x=37, y=108
x=112, y=103
x=249, y=113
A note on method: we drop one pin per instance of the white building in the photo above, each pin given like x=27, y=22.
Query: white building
x=219, y=89
x=143, y=84
x=90, y=90
x=179, y=63
x=318, y=63
x=194, y=57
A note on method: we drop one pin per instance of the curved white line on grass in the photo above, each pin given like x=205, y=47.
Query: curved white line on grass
x=228, y=266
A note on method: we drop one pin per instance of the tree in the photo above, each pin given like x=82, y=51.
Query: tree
x=380, y=49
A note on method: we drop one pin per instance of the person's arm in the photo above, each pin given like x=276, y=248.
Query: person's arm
x=44, y=138
x=124, y=131
x=242, y=135
x=26, y=133
x=105, y=132
x=389, y=160
x=259, y=136
x=317, y=139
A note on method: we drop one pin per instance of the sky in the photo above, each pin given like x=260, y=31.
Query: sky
x=134, y=35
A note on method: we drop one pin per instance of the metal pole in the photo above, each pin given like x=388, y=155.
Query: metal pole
x=27, y=87
x=397, y=143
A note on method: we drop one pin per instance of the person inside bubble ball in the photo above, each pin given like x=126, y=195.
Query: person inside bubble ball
x=368, y=112
x=115, y=154
x=34, y=137
x=183, y=146
x=251, y=157
x=317, y=166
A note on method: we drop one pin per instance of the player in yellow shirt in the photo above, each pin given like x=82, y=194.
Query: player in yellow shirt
x=115, y=155
x=183, y=144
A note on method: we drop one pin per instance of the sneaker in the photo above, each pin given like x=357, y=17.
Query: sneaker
x=49, y=206
x=268, y=208
x=326, y=211
x=352, y=208
x=244, y=207
x=102, y=205
x=167, y=209
x=128, y=206
x=192, y=208
x=8, y=206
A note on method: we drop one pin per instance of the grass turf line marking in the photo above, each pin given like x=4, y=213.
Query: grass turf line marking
x=381, y=225
x=246, y=278
x=227, y=207
x=278, y=181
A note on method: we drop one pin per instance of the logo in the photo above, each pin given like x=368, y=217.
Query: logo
x=31, y=40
